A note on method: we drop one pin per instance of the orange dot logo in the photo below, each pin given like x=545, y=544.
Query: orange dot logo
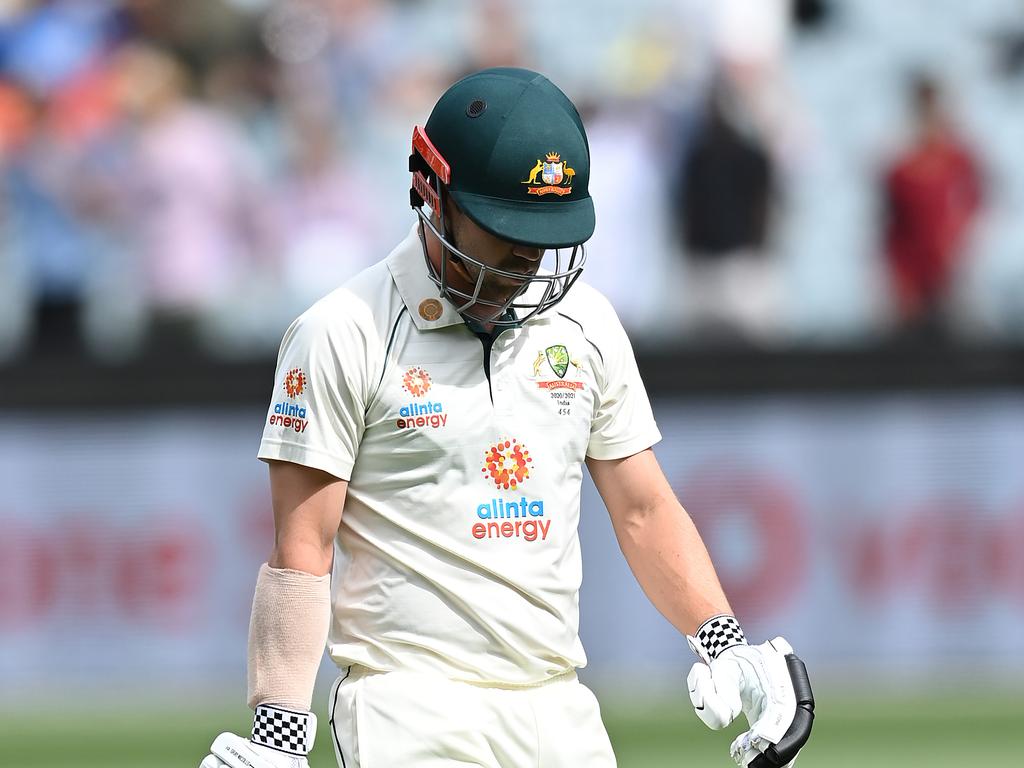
x=507, y=463
x=295, y=382
x=416, y=382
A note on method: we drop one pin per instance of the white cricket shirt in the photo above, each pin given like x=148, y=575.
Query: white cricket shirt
x=458, y=550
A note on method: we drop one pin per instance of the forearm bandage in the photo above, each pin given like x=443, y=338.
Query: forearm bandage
x=291, y=612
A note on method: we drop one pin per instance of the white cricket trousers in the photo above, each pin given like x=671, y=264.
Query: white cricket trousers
x=415, y=720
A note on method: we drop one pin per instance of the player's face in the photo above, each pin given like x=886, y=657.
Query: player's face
x=492, y=251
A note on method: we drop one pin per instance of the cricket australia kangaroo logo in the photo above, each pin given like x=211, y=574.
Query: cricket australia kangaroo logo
x=558, y=361
x=550, y=369
x=555, y=176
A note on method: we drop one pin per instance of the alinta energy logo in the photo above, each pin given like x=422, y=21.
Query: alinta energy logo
x=295, y=382
x=507, y=464
x=287, y=414
x=416, y=382
x=417, y=415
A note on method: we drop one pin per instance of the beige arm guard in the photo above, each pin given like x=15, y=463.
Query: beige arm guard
x=291, y=613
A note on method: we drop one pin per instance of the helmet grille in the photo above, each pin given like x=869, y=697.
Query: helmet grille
x=476, y=108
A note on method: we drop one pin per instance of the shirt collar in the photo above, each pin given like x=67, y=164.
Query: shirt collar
x=408, y=268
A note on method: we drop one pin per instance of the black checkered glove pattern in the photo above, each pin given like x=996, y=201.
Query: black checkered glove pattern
x=282, y=729
x=718, y=633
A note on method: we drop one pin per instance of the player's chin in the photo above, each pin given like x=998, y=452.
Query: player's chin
x=501, y=288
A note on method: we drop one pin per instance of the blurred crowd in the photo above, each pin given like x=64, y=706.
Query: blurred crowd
x=183, y=174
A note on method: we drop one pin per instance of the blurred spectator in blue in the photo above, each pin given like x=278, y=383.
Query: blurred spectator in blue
x=17, y=121
x=51, y=54
x=366, y=48
x=932, y=193
x=45, y=232
x=631, y=214
x=43, y=44
x=325, y=224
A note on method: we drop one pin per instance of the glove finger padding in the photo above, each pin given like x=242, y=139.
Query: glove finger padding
x=769, y=700
x=786, y=749
x=715, y=697
x=755, y=750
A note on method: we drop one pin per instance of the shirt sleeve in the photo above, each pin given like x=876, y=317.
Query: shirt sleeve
x=317, y=413
x=623, y=422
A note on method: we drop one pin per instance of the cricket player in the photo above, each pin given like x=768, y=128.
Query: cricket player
x=426, y=441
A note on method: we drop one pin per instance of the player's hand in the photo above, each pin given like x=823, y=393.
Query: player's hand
x=232, y=751
x=769, y=684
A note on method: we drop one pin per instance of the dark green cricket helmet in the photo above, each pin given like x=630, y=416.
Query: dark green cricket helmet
x=511, y=150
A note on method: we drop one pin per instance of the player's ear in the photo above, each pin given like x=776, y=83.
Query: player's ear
x=452, y=214
x=450, y=208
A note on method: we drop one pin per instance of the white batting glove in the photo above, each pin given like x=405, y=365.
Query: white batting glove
x=281, y=738
x=768, y=683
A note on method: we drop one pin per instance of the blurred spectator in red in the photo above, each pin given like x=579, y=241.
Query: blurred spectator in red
x=932, y=192
x=16, y=118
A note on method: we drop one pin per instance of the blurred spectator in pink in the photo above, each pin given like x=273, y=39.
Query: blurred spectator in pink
x=189, y=192
x=932, y=192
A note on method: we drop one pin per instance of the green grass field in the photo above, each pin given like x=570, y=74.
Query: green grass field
x=937, y=731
